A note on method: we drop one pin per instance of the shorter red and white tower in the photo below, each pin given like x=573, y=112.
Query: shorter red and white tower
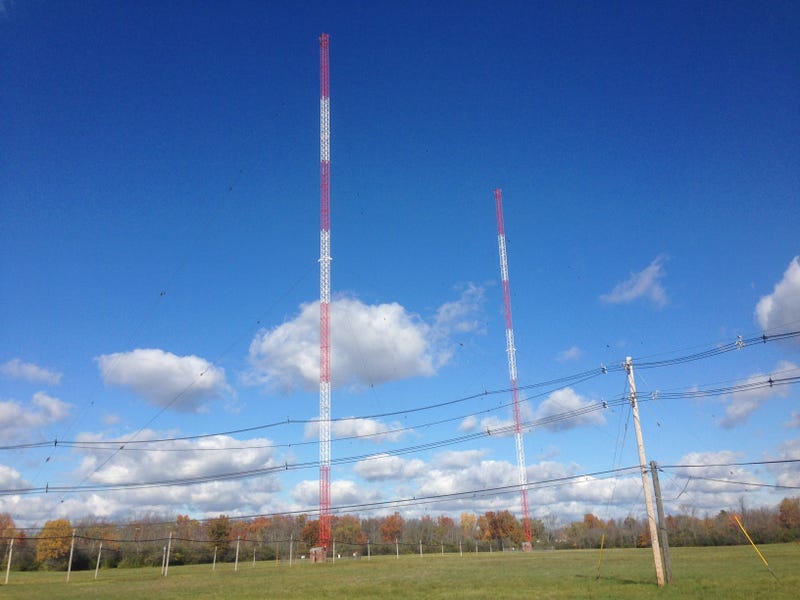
x=512, y=365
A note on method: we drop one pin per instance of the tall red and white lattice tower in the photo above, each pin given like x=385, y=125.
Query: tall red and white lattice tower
x=512, y=363
x=324, y=296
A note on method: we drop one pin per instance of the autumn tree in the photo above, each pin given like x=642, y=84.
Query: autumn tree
x=468, y=525
x=218, y=532
x=504, y=526
x=8, y=529
x=484, y=532
x=424, y=529
x=310, y=533
x=348, y=531
x=446, y=529
x=54, y=542
x=391, y=527
x=371, y=528
x=184, y=548
x=789, y=518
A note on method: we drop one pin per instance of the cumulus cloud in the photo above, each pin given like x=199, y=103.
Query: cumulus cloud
x=707, y=486
x=573, y=353
x=12, y=480
x=565, y=409
x=781, y=308
x=469, y=423
x=18, y=420
x=163, y=378
x=458, y=459
x=501, y=427
x=480, y=475
x=17, y=369
x=644, y=284
x=208, y=461
x=742, y=404
x=460, y=316
x=371, y=429
x=370, y=344
x=787, y=474
x=382, y=467
x=343, y=492
x=477, y=485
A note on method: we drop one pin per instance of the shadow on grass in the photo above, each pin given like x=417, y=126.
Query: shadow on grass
x=621, y=580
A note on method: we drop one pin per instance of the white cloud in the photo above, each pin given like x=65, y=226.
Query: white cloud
x=573, y=353
x=500, y=427
x=484, y=474
x=458, y=459
x=742, y=404
x=16, y=369
x=787, y=474
x=205, y=459
x=198, y=458
x=370, y=429
x=18, y=420
x=459, y=316
x=343, y=493
x=469, y=423
x=707, y=487
x=109, y=419
x=644, y=284
x=370, y=344
x=575, y=410
x=382, y=467
x=163, y=378
x=11, y=480
x=781, y=308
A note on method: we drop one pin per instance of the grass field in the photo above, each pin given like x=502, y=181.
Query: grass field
x=724, y=572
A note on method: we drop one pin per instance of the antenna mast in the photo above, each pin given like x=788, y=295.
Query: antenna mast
x=324, y=297
x=512, y=366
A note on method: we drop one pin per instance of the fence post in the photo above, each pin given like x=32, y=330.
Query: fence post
x=97, y=566
x=10, y=552
x=71, y=550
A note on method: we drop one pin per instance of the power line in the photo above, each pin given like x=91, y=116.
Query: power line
x=692, y=393
x=506, y=489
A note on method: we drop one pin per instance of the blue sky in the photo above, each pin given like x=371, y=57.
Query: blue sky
x=159, y=189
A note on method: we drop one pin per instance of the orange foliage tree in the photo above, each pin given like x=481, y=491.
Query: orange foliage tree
x=54, y=541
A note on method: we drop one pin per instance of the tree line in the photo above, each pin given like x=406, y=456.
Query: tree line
x=144, y=541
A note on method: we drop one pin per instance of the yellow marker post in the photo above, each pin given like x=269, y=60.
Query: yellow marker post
x=752, y=543
x=599, y=560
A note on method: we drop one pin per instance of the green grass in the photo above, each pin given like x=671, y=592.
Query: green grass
x=725, y=572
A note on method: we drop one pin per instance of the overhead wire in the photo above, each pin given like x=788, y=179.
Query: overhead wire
x=691, y=393
x=504, y=489
x=504, y=430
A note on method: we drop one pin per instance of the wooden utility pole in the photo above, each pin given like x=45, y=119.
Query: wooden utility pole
x=648, y=495
x=662, y=524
